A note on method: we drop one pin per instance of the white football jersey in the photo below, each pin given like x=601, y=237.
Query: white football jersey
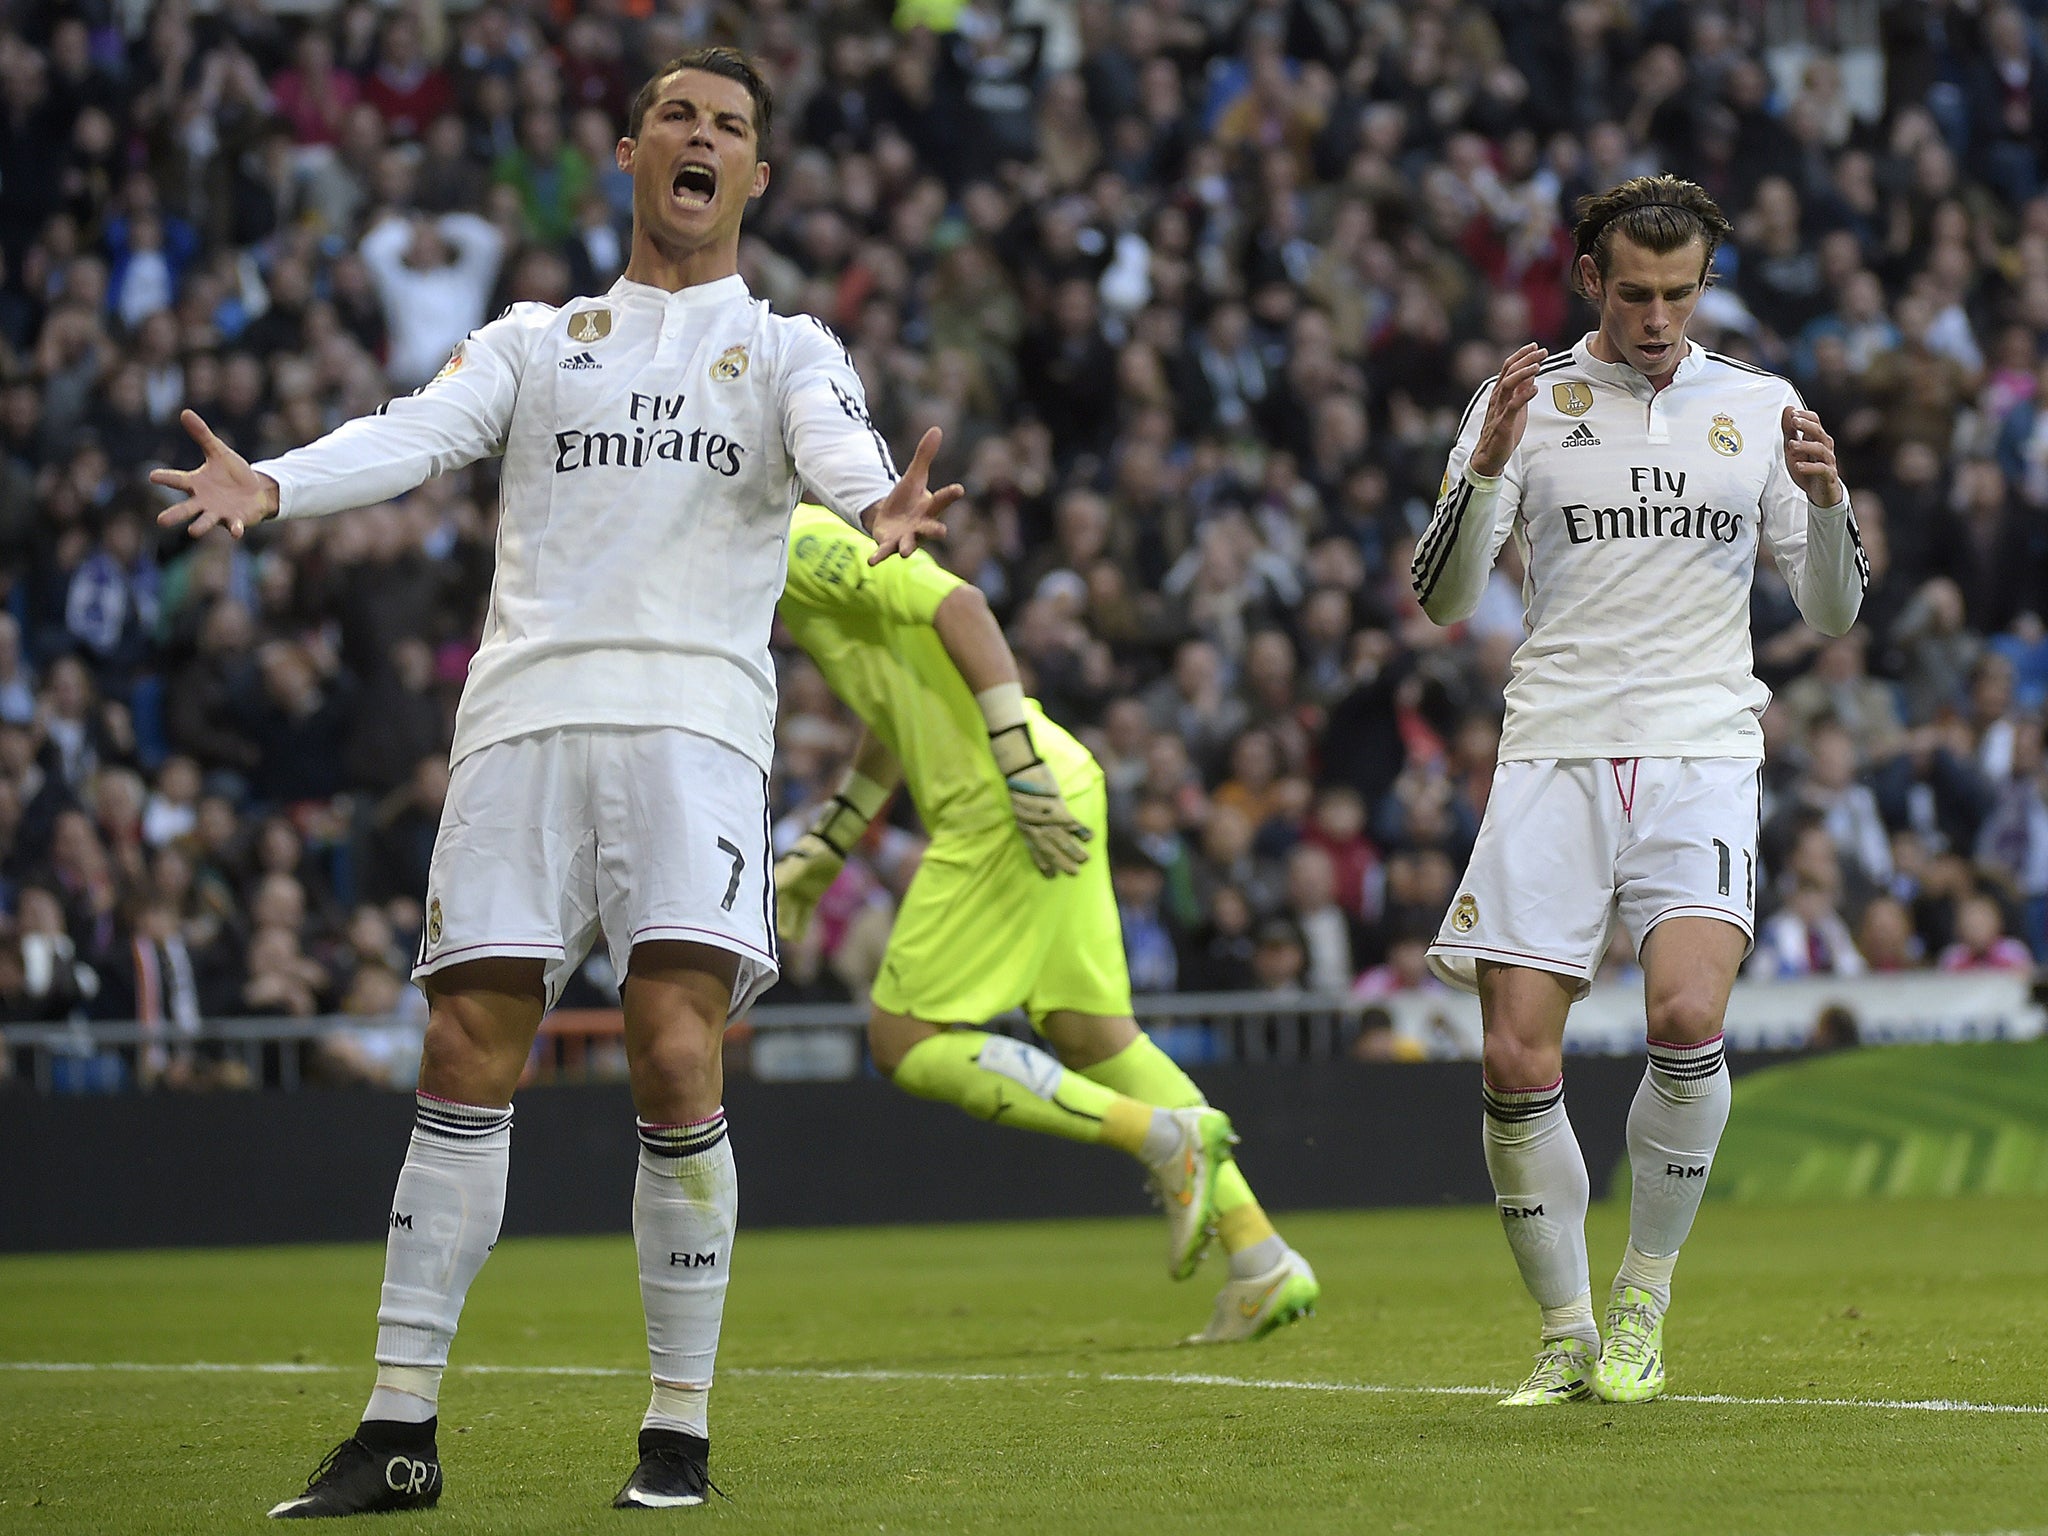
x=654, y=444
x=1638, y=512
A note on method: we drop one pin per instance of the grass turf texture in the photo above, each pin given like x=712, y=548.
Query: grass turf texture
x=1908, y=1300
x=1905, y=1121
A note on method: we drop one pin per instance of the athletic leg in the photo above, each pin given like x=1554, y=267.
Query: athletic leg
x=686, y=1198
x=996, y=1078
x=1117, y=1054
x=1685, y=892
x=444, y=1222
x=1674, y=1130
x=1270, y=1285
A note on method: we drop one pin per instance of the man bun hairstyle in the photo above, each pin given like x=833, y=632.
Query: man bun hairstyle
x=1659, y=213
x=727, y=62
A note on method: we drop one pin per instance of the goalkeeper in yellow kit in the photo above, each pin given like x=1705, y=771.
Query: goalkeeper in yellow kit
x=1007, y=908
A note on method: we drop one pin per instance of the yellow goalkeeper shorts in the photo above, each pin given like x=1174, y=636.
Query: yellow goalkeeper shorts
x=982, y=931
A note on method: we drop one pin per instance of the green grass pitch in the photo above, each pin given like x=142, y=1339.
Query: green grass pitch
x=1030, y=1386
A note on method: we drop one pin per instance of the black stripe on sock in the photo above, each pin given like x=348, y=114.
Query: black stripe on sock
x=456, y=1128
x=1688, y=1071
x=1510, y=1107
x=682, y=1141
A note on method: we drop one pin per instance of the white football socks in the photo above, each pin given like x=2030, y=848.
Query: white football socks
x=1674, y=1128
x=445, y=1217
x=685, y=1209
x=1541, y=1189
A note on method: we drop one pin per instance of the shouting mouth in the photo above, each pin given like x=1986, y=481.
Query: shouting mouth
x=695, y=185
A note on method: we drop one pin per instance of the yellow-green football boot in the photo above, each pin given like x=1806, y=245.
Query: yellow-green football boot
x=1185, y=1185
x=1631, y=1368
x=1253, y=1307
x=1563, y=1374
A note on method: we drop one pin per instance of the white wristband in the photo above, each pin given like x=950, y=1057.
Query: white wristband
x=1002, y=707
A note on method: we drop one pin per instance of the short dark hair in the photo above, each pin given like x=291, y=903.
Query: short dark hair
x=1659, y=213
x=728, y=62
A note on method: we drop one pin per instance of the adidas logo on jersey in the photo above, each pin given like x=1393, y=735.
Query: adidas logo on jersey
x=1580, y=436
x=581, y=361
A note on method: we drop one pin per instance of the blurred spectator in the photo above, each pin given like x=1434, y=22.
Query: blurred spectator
x=1807, y=937
x=1981, y=941
x=434, y=280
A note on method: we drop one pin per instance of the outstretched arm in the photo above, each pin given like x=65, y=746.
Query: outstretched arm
x=840, y=456
x=458, y=418
x=223, y=492
x=911, y=511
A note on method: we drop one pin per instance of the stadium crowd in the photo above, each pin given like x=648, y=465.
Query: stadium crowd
x=1198, y=290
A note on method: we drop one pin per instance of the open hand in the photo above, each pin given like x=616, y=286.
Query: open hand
x=223, y=492
x=1507, y=412
x=910, y=512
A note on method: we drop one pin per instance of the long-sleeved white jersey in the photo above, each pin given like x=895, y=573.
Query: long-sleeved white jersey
x=1638, y=512
x=654, y=444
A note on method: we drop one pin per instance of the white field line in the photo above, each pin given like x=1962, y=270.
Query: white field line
x=1158, y=1378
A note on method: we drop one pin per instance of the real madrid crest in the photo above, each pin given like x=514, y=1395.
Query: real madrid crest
x=731, y=363
x=590, y=325
x=433, y=922
x=1574, y=399
x=1723, y=438
x=1465, y=915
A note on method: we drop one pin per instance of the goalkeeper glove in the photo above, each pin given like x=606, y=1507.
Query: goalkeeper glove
x=1052, y=833
x=806, y=872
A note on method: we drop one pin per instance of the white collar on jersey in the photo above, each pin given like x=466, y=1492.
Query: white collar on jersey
x=1621, y=376
x=722, y=291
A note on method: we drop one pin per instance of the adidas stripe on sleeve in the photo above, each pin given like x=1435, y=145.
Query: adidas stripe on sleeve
x=1472, y=520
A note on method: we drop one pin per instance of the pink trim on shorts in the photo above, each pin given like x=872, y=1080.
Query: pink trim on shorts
x=1493, y=951
x=722, y=940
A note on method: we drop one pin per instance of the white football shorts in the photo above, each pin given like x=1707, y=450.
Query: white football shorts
x=549, y=839
x=1570, y=845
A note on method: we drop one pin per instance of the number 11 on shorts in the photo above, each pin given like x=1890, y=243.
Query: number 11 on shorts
x=1722, y=854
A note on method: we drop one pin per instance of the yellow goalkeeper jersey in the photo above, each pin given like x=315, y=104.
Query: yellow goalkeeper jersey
x=869, y=629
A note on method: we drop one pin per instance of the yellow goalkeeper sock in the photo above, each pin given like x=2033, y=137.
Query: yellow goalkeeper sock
x=996, y=1078
x=1144, y=1072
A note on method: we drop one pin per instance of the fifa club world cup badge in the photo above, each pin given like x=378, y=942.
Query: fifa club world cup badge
x=434, y=922
x=731, y=363
x=1573, y=399
x=1465, y=915
x=1723, y=438
x=590, y=325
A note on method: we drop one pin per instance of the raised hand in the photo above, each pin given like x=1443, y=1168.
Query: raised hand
x=223, y=492
x=1507, y=412
x=911, y=512
x=1810, y=455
